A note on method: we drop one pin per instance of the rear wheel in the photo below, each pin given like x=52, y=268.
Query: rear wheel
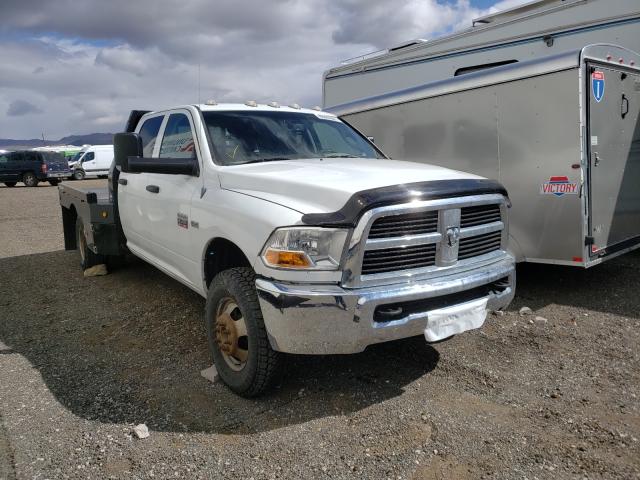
x=54, y=182
x=30, y=179
x=10, y=184
x=237, y=335
x=88, y=259
x=78, y=174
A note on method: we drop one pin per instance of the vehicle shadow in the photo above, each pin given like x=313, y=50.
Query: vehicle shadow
x=611, y=287
x=129, y=347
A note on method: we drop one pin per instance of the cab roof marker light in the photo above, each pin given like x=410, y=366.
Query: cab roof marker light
x=274, y=104
x=251, y=103
x=211, y=102
x=295, y=105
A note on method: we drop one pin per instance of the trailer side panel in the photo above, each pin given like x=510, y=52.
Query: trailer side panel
x=524, y=133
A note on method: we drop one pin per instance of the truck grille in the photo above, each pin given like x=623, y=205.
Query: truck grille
x=406, y=224
x=472, y=216
x=429, y=239
x=402, y=258
x=479, y=245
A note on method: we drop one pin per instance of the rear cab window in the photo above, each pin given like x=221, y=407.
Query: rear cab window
x=149, y=133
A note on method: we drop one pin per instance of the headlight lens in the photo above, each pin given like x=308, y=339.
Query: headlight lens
x=304, y=248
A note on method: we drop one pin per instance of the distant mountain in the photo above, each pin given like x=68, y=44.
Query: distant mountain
x=89, y=139
x=78, y=140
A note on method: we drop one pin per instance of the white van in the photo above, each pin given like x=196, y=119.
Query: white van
x=94, y=161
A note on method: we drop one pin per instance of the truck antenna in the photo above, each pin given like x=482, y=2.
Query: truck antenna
x=198, y=83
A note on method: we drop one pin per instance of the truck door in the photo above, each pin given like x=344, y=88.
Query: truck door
x=614, y=171
x=161, y=208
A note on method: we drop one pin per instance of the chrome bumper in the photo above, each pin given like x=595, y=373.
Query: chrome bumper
x=329, y=319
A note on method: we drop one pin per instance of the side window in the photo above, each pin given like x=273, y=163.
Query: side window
x=178, y=138
x=31, y=157
x=89, y=156
x=16, y=157
x=4, y=158
x=148, y=134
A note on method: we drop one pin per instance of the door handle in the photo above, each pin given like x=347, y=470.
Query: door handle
x=625, y=102
x=122, y=181
x=153, y=188
x=596, y=160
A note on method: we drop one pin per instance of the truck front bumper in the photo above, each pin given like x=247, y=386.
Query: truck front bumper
x=329, y=319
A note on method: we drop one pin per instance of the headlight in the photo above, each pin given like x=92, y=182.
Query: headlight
x=305, y=248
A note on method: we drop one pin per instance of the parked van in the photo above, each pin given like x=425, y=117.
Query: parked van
x=95, y=161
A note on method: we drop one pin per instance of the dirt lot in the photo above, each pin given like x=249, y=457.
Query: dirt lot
x=82, y=360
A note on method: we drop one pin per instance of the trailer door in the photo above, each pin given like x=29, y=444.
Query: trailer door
x=614, y=173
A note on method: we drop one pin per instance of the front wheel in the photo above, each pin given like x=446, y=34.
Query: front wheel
x=78, y=174
x=53, y=182
x=30, y=179
x=237, y=335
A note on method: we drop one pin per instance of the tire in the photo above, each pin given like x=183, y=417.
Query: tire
x=78, y=174
x=30, y=179
x=53, y=182
x=262, y=365
x=10, y=184
x=88, y=259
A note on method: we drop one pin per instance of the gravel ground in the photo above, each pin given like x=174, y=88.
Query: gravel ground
x=550, y=395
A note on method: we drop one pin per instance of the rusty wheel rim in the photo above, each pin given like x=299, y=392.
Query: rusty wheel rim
x=231, y=334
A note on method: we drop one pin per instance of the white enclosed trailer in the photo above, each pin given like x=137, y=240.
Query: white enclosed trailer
x=533, y=30
x=561, y=133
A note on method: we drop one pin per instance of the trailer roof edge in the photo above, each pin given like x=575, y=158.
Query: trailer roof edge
x=490, y=76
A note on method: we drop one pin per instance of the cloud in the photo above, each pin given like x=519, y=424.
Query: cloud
x=91, y=62
x=18, y=108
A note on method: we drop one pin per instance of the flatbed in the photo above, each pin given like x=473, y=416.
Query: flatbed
x=93, y=205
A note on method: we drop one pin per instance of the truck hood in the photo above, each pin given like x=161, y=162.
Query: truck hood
x=325, y=185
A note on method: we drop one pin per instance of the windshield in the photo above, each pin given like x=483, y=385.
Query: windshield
x=246, y=137
x=76, y=157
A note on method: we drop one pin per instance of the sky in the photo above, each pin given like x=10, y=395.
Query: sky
x=76, y=67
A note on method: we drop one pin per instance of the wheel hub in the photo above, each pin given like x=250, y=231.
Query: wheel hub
x=231, y=333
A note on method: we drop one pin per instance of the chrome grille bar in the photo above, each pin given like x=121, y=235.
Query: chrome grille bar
x=420, y=239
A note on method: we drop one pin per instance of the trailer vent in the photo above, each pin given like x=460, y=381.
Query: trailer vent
x=479, y=245
x=480, y=215
x=403, y=258
x=406, y=224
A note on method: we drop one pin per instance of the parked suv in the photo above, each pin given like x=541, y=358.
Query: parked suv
x=31, y=167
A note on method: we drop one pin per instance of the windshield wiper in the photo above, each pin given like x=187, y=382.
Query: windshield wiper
x=340, y=155
x=269, y=159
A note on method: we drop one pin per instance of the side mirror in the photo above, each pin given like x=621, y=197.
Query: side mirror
x=126, y=145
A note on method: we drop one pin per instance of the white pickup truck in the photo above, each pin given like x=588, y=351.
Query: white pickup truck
x=301, y=235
